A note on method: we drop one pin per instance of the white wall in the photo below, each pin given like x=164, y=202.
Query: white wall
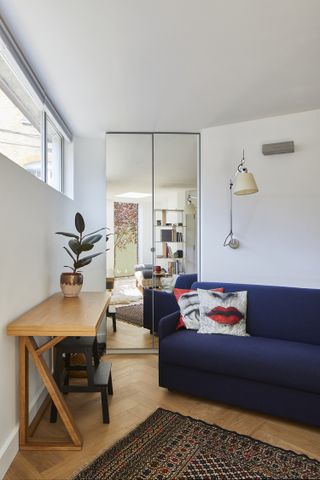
x=32, y=260
x=30, y=213
x=90, y=198
x=279, y=227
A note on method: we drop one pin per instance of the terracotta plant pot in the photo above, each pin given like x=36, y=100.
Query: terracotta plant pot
x=71, y=284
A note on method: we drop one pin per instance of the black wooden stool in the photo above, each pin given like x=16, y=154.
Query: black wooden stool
x=98, y=373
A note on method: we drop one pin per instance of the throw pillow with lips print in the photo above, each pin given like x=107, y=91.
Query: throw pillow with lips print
x=188, y=301
x=223, y=312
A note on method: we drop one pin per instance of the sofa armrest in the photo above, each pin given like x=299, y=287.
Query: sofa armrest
x=161, y=302
x=167, y=325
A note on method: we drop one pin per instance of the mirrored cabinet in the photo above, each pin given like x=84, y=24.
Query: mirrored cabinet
x=152, y=218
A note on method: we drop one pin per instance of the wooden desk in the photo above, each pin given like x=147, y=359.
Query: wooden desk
x=56, y=317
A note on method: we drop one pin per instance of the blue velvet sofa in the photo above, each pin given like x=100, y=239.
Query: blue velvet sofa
x=276, y=370
x=163, y=302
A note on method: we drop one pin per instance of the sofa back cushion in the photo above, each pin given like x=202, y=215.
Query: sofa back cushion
x=185, y=281
x=287, y=313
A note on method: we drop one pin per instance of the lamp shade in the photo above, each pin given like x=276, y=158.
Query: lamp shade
x=189, y=209
x=244, y=184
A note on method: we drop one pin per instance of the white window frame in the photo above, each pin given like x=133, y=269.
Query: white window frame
x=47, y=118
x=17, y=61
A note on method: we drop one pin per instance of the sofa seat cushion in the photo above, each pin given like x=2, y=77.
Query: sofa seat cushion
x=272, y=361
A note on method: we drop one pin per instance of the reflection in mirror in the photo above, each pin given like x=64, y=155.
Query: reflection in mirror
x=152, y=208
x=129, y=222
x=175, y=199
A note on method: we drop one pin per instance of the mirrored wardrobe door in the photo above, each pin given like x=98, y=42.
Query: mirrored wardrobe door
x=175, y=209
x=129, y=240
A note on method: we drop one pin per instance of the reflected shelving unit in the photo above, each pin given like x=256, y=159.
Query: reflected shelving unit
x=170, y=236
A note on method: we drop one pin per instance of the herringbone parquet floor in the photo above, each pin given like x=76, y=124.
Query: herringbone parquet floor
x=137, y=395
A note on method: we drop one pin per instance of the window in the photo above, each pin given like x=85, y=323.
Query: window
x=20, y=123
x=54, y=155
x=30, y=133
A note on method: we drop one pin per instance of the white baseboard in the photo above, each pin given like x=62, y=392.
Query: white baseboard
x=9, y=451
x=11, y=446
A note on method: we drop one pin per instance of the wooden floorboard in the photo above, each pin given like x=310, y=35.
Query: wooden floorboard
x=137, y=395
x=129, y=336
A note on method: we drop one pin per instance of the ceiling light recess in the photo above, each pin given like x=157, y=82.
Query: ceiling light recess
x=134, y=195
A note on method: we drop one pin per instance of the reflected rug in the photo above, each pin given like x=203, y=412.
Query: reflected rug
x=131, y=314
x=171, y=446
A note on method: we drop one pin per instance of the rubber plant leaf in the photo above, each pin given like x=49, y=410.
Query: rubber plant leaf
x=92, y=239
x=96, y=231
x=90, y=257
x=82, y=263
x=85, y=247
x=67, y=234
x=79, y=222
x=69, y=253
x=75, y=246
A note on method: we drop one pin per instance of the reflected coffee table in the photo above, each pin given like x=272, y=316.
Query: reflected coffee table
x=111, y=312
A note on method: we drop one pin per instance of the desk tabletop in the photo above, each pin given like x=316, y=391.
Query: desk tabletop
x=61, y=316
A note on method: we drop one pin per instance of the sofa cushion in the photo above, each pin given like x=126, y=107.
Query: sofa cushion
x=223, y=313
x=271, y=361
x=287, y=313
x=188, y=301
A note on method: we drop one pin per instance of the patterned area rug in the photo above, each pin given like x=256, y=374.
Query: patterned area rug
x=171, y=446
x=131, y=314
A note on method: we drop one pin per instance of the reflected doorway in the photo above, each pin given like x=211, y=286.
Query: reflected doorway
x=125, y=238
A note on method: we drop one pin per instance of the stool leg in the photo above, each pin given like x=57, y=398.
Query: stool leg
x=53, y=413
x=104, y=404
x=56, y=376
x=67, y=366
x=114, y=322
x=96, y=353
x=67, y=360
x=110, y=386
x=90, y=372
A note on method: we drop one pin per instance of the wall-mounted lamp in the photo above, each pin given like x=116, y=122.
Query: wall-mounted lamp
x=244, y=184
x=190, y=208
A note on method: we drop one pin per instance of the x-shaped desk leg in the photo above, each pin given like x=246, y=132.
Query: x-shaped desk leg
x=28, y=345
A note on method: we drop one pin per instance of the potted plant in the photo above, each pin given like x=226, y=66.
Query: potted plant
x=71, y=282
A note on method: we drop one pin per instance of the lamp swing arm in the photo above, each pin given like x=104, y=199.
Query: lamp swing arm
x=225, y=243
x=230, y=241
x=190, y=197
x=241, y=168
x=244, y=184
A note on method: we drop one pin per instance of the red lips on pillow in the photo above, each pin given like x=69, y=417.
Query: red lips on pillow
x=180, y=291
x=227, y=316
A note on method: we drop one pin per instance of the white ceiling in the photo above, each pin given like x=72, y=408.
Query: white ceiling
x=170, y=64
